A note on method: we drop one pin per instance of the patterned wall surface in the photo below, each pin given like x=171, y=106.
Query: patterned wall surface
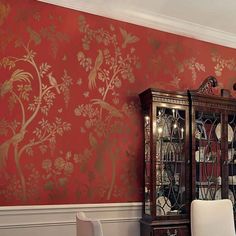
x=70, y=118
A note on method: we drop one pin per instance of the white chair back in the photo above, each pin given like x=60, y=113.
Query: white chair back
x=88, y=227
x=212, y=218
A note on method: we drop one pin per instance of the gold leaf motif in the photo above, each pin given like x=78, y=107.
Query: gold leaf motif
x=43, y=69
x=54, y=37
x=175, y=81
x=84, y=61
x=194, y=66
x=6, y=62
x=222, y=63
x=86, y=94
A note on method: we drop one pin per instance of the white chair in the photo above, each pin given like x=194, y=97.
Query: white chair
x=88, y=227
x=212, y=218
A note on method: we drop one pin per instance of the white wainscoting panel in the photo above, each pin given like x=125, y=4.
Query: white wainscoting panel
x=59, y=220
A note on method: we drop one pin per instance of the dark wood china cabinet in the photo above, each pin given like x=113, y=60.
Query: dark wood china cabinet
x=189, y=153
x=166, y=143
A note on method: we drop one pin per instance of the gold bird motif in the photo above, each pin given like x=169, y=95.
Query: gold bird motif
x=127, y=38
x=111, y=109
x=53, y=82
x=93, y=73
x=5, y=87
x=17, y=75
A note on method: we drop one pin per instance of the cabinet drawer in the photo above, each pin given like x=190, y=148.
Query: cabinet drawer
x=172, y=231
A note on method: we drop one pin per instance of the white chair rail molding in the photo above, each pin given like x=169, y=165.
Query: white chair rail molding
x=60, y=220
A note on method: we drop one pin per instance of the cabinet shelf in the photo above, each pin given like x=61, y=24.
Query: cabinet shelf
x=165, y=161
x=167, y=185
x=208, y=140
x=169, y=140
x=211, y=184
x=206, y=162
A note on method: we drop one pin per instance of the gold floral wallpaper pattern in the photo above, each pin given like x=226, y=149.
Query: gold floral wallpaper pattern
x=70, y=117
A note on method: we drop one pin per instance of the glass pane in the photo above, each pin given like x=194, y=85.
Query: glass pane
x=147, y=129
x=170, y=161
x=232, y=158
x=207, y=155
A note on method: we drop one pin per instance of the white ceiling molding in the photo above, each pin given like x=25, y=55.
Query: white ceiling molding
x=148, y=18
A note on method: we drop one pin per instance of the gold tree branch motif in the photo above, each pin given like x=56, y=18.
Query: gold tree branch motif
x=19, y=90
x=193, y=66
x=157, y=63
x=4, y=11
x=51, y=35
x=222, y=63
x=112, y=66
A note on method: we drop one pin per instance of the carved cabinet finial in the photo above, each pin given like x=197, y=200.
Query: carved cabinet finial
x=207, y=86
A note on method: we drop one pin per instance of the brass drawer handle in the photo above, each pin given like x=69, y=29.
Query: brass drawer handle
x=170, y=234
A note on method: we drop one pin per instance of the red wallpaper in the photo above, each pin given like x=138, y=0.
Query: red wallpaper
x=70, y=118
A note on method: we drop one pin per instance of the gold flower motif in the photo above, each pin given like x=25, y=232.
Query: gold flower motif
x=59, y=163
x=68, y=168
x=46, y=164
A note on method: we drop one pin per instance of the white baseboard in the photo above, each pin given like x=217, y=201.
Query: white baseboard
x=59, y=220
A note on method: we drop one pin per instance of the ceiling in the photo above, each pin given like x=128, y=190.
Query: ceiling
x=208, y=20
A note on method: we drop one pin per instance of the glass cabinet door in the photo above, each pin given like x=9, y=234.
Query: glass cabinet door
x=169, y=163
x=207, y=155
x=231, y=158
